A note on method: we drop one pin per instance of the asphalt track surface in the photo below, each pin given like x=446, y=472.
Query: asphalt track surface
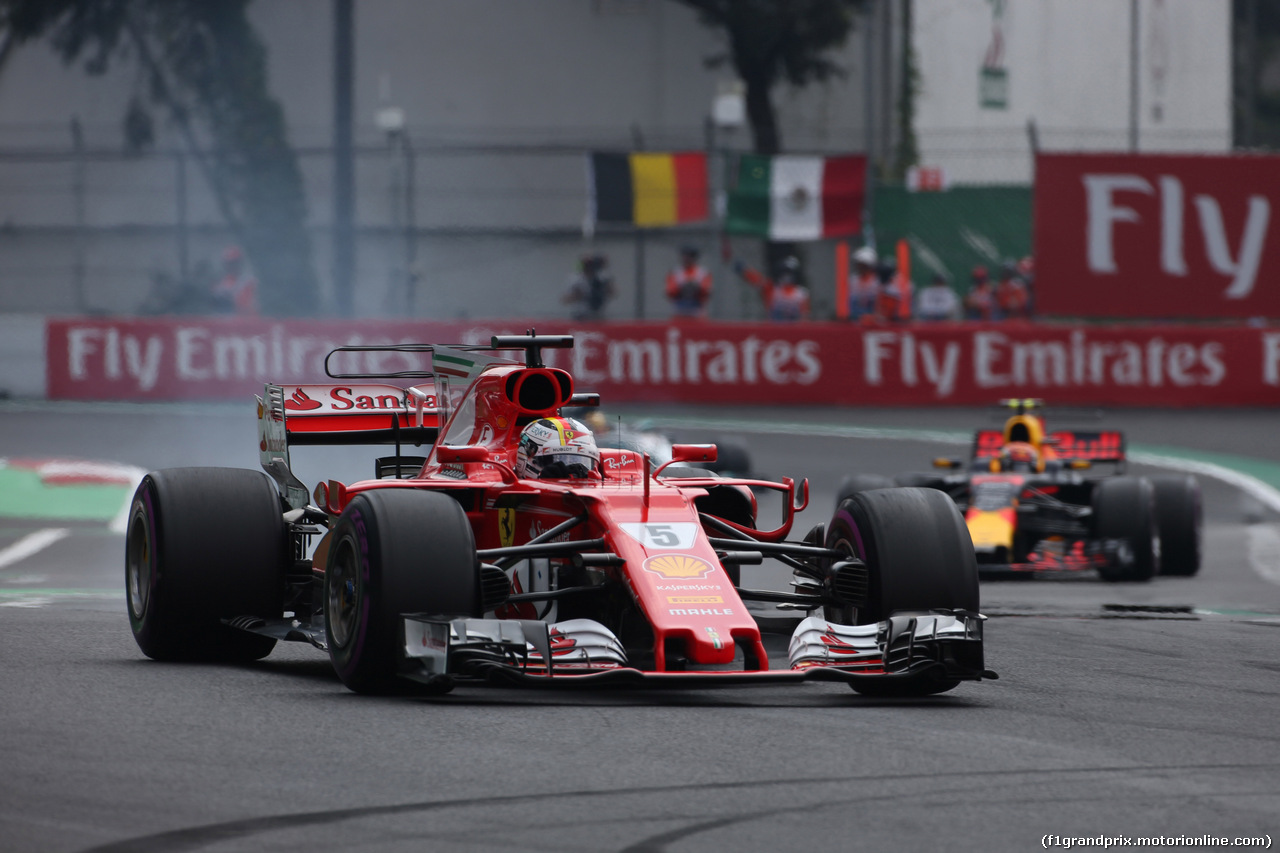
x=1103, y=722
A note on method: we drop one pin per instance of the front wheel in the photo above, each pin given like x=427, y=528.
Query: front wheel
x=919, y=558
x=394, y=551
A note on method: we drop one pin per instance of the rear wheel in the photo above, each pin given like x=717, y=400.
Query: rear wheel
x=1124, y=509
x=732, y=460
x=924, y=481
x=855, y=483
x=919, y=558
x=394, y=551
x=1179, y=518
x=732, y=503
x=203, y=545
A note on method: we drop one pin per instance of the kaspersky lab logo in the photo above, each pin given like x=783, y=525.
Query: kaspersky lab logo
x=677, y=566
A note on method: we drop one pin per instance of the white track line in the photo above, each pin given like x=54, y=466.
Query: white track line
x=1264, y=550
x=32, y=543
x=120, y=524
x=1249, y=485
x=1265, y=493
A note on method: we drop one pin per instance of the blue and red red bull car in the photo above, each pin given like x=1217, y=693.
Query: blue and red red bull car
x=1036, y=501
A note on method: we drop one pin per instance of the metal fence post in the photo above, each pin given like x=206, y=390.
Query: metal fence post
x=410, y=227
x=77, y=191
x=180, y=185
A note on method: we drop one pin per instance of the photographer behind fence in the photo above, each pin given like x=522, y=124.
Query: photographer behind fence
x=589, y=289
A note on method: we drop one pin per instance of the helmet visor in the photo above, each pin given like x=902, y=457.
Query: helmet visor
x=562, y=466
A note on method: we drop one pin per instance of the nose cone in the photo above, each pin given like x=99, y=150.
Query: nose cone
x=990, y=529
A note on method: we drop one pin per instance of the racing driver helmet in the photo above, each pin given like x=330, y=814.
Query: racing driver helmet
x=556, y=449
x=1020, y=456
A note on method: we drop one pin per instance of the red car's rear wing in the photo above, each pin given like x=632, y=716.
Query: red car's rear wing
x=356, y=414
x=340, y=413
x=1068, y=445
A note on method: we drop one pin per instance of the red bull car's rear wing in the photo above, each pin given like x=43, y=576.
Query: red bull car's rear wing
x=1067, y=445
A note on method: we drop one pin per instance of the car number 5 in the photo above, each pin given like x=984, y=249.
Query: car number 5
x=677, y=534
x=662, y=535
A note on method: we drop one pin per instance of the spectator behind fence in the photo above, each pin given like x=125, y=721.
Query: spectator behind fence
x=864, y=284
x=890, y=295
x=590, y=289
x=1012, y=297
x=1027, y=272
x=689, y=285
x=785, y=298
x=236, y=292
x=938, y=301
x=980, y=302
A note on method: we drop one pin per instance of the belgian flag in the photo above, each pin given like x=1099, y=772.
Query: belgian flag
x=649, y=189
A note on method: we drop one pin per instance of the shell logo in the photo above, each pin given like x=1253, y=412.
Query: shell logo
x=677, y=566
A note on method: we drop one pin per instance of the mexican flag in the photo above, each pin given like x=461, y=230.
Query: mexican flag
x=790, y=197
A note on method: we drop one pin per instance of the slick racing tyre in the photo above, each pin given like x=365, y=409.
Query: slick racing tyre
x=732, y=503
x=1179, y=518
x=735, y=503
x=855, y=483
x=919, y=558
x=732, y=460
x=394, y=551
x=1124, y=508
x=204, y=545
x=924, y=481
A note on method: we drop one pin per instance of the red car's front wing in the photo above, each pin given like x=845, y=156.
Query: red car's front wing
x=947, y=644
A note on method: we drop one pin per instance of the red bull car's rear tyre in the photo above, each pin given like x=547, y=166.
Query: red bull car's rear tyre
x=394, y=551
x=1124, y=510
x=732, y=460
x=855, y=483
x=919, y=558
x=921, y=480
x=204, y=545
x=1179, y=517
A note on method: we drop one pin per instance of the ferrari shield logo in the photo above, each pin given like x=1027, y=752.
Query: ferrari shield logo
x=507, y=526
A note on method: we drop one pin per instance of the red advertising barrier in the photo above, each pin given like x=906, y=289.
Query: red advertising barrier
x=762, y=364
x=1157, y=236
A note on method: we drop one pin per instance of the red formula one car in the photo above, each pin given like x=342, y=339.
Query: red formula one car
x=451, y=567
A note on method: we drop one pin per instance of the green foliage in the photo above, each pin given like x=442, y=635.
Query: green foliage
x=1255, y=55
x=207, y=68
x=771, y=41
x=907, y=151
x=774, y=41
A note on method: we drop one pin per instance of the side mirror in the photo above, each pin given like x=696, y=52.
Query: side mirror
x=693, y=453
x=468, y=453
x=330, y=496
x=800, y=499
x=944, y=462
